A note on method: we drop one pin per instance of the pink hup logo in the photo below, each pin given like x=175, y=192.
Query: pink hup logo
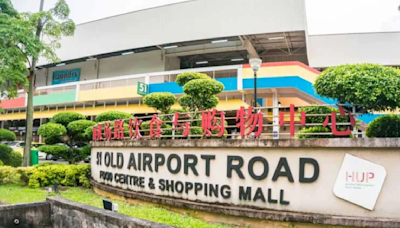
x=359, y=177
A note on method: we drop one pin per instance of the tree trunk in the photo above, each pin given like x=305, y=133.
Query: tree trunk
x=29, y=119
x=29, y=107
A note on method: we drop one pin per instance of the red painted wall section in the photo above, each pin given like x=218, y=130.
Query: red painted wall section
x=13, y=103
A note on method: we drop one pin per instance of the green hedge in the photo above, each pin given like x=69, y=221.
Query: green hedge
x=6, y=135
x=384, y=126
x=46, y=175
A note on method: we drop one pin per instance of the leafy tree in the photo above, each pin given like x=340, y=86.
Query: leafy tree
x=6, y=135
x=112, y=115
x=370, y=86
x=200, y=91
x=160, y=101
x=384, y=127
x=21, y=46
x=68, y=128
x=16, y=43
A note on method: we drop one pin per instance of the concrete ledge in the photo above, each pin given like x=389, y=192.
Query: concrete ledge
x=30, y=215
x=275, y=215
x=66, y=212
x=261, y=143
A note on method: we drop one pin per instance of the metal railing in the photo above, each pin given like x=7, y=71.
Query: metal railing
x=274, y=126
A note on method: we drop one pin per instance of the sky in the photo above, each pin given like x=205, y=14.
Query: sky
x=89, y=10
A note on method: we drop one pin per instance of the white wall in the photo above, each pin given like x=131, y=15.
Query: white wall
x=356, y=31
x=172, y=63
x=131, y=64
x=354, y=16
x=187, y=21
x=88, y=70
x=146, y=62
x=41, y=76
x=333, y=50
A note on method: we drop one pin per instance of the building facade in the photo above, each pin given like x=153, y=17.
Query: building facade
x=102, y=64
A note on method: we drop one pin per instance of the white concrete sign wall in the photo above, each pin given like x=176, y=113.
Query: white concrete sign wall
x=286, y=179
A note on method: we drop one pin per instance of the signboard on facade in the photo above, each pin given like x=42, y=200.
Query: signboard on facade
x=259, y=180
x=278, y=178
x=359, y=181
x=142, y=88
x=65, y=76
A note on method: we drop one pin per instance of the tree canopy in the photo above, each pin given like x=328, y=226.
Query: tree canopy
x=17, y=44
x=370, y=86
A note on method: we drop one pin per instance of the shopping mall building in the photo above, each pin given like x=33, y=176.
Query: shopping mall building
x=103, y=62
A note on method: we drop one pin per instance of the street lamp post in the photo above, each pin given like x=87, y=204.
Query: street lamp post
x=255, y=64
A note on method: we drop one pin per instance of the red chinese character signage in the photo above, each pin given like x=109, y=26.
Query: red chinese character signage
x=155, y=127
x=248, y=121
x=292, y=119
x=185, y=126
x=119, y=129
x=210, y=122
x=333, y=126
x=134, y=128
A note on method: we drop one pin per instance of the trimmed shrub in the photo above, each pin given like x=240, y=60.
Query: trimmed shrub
x=371, y=86
x=77, y=129
x=5, y=154
x=321, y=110
x=6, y=135
x=15, y=159
x=112, y=115
x=65, y=118
x=46, y=175
x=384, y=126
x=184, y=78
x=160, y=101
x=52, y=132
x=321, y=119
x=203, y=87
x=315, y=129
x=200, y=91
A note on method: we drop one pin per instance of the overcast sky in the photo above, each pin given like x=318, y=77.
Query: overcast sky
x=89, y=10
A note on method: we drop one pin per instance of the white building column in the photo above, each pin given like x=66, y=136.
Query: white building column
x=275, y=113
x=40, y=124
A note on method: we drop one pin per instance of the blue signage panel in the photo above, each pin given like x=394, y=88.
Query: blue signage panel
x=65, y=76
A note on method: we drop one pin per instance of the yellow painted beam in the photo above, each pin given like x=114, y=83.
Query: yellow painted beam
x=108, y=93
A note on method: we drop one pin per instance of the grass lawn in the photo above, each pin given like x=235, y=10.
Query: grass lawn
x=12, y=194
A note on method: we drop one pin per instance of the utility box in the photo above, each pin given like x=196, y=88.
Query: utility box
x=34, y=157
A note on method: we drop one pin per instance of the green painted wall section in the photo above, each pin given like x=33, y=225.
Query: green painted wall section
x=56, y=98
